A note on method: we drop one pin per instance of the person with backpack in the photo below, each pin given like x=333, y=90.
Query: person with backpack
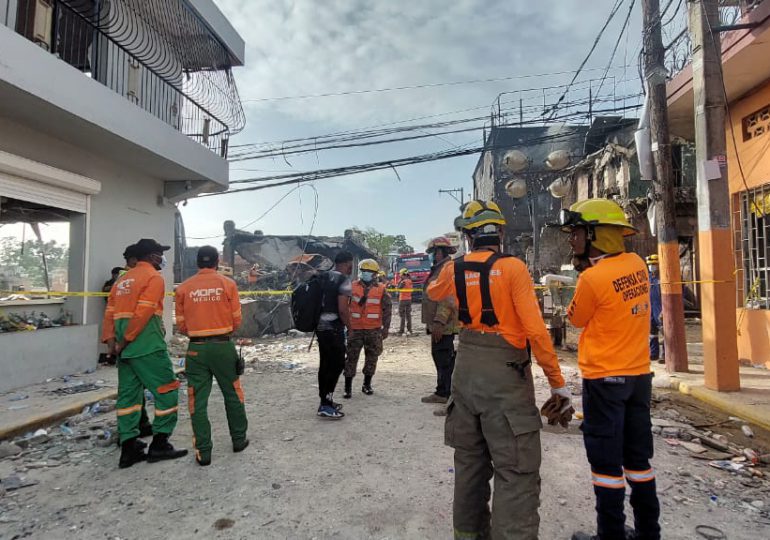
x=492, y=420
x=370, y=313
x=333, y=320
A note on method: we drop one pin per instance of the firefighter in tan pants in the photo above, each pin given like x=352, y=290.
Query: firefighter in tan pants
x=492, y=417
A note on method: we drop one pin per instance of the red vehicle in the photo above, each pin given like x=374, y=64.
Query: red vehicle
x=418, y=265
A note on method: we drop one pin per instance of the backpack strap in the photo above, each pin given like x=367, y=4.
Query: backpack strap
x=488, y=316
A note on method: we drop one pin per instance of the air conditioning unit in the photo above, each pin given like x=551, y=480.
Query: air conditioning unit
x=133, y=86
x=42, y=23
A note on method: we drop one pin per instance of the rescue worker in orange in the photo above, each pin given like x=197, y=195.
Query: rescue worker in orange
x=405, y=286
x=209, y=311
x=133, y=330
x=492, y=421
x=440, y=319
x=370, y=313
x=612, y=305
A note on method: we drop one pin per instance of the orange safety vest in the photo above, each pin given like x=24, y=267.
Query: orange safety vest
x=407, y=295
x=366, y=314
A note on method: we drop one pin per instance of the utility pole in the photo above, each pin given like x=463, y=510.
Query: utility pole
x=665, y=205
x=720, y=347
x=453, y=193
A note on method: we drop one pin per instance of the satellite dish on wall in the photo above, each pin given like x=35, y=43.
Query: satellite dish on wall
x=557, y=160
x=515, y=161
x=516, y=188
x=559, y=188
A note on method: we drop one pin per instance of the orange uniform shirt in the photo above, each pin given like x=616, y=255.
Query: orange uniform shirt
x=612, y=304
x=135, y=297
x=405, y=296
x=207, y=304
x=515, y=304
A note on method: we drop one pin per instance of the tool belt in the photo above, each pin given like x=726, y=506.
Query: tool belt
x=222, y=338
x=500, y=346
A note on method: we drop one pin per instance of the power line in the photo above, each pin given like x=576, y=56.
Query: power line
x=617, y=43
x=598, y=38
x=417, y=86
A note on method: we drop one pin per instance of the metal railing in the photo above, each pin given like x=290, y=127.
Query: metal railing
x=91, y=36
x=753, y=247
x=676, y=35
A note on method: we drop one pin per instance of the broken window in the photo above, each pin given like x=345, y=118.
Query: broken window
x=34, y=262
x=755, y=246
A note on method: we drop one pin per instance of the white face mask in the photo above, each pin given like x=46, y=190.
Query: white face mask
x=367, y=277
x=163, y=262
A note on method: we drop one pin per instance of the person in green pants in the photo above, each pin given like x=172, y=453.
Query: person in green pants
x=208, y=310
x=135, y=308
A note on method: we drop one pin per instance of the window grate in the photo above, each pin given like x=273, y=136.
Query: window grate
x=755, y=247
x=757, y=124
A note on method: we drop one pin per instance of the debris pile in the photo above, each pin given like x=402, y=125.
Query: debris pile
x=20, y=322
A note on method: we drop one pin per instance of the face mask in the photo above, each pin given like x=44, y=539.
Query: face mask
x=163, y=262
x=432, y=258
x=367, y=277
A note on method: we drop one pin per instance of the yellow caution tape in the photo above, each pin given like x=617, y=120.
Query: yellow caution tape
x=89, y=294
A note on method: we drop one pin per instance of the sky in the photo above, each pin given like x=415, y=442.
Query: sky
x=305, y=47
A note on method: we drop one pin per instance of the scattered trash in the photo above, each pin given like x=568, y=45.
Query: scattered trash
x=66, y=430
x=75, y=389
x=693, y=447
x=18, y=397
x=8, y=449
x=710, y=533
x=14, y=482
x=747, y=431
x=726, y=465
x=751, y=455
x=17, y=407
x=276, y=486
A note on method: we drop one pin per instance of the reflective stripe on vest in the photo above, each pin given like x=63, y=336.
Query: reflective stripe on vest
x=488, y=316
x=366, y=307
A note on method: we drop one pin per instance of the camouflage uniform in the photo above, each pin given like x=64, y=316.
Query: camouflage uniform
x=371, y=342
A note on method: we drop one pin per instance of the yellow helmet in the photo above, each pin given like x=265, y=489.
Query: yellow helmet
x=369, y=265
x=479, y=213
x=595, y=212
x=403, y=271
x=652, y=260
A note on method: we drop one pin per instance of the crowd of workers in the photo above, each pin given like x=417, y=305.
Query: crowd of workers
x=485, y=388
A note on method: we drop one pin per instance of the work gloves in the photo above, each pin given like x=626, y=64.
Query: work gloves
x=558, y=408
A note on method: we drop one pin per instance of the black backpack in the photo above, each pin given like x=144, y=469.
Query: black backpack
x=307, y=303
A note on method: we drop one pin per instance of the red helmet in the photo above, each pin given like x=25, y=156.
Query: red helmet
x=441, y=242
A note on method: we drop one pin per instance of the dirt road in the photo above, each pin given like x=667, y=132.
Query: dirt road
x=380, y=473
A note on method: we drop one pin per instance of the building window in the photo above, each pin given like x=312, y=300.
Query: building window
x=755, y=246
x=757, y=124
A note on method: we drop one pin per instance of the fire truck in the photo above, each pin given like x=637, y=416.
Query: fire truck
x=418, y=265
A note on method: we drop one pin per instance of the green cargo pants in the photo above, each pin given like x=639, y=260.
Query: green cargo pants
x=152, y=371
x=206, y=360
x=371, y=342
x=494, y=426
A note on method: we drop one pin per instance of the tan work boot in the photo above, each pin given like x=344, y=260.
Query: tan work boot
x=434, y=398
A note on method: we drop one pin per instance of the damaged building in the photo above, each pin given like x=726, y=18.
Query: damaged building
x=261, y=262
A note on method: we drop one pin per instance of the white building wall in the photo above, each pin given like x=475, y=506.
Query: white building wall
x=126, y=209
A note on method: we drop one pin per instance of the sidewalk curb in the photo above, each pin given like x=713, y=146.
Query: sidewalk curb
x=50, y=417
x=746, y=412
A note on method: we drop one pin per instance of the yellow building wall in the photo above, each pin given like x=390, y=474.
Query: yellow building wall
x=754, y=325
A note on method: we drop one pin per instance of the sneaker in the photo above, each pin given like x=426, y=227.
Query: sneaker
x=434, y=398
x=337, y=406
x=328, y=411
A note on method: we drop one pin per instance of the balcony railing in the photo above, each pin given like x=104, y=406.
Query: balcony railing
x=676, y=35
x=157, y=54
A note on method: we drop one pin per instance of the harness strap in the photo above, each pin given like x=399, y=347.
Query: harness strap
x=488, y=316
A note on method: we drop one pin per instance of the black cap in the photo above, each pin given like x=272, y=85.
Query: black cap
x=207, y=255
x=130, y=252
x=145, y=246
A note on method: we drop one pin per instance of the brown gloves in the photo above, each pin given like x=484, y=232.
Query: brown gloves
x=554, y=411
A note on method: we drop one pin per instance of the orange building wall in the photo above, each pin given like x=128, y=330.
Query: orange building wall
x=754, y=325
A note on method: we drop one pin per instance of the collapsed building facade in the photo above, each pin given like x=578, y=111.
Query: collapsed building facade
x=260, y=262
x=534, y=172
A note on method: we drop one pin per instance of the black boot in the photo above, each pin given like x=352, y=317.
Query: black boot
x=130, y=453
x=161, y=449
x=367, y=387
x=240, y=446
x=348, y=388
